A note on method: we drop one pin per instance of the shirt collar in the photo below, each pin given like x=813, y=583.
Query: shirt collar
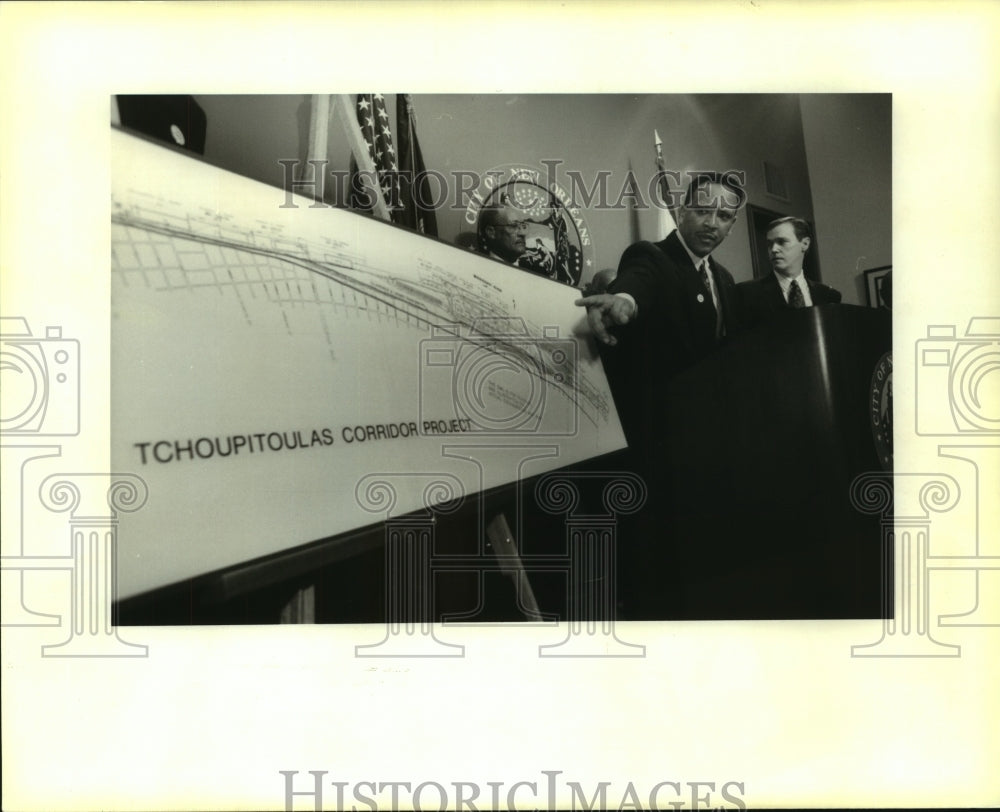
x=784, y=281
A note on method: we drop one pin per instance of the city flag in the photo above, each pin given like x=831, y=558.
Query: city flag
x=416, y=195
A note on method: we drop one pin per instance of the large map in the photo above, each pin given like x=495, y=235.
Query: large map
x=271, y=360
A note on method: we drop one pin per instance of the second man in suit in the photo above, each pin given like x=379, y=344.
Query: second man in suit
x=788, y=242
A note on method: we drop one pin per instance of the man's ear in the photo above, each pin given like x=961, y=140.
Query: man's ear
x=806, y=242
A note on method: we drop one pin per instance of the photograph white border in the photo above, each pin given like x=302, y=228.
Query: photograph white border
x=212, y=715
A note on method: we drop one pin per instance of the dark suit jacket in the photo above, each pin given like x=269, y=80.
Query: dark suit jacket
x=761, y=299
x=675, y=328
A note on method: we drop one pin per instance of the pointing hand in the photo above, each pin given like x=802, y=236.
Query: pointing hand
x=606, y=310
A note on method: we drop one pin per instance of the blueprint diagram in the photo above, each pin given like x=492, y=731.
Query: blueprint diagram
x=267, y=357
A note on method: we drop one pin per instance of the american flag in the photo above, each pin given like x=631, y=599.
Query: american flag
x=374, y=123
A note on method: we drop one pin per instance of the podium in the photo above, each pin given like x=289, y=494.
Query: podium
x=757, y=449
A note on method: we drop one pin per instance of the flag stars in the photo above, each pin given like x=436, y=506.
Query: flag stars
x=363, y=103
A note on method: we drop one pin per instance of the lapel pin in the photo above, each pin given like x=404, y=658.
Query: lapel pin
x=701, y=297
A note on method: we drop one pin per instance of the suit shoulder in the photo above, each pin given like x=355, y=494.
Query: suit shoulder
x=639, y=249
x=724, y=274
x=643, y=254
x=754, y=284
x=826, y=293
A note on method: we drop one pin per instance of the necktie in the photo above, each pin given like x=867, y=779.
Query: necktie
x=703, y=273
x=795, y=298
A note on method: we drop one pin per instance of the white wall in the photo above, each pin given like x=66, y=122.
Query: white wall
x=833, y=150
x=590, y=133
x=848, y=141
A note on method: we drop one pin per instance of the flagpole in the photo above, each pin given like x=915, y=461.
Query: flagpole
x=410, y=122
x=319, y=122
x=411, y=149
x=344, y=106
x=665, y=218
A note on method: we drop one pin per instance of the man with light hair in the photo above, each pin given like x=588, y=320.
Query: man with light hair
x=787, y=287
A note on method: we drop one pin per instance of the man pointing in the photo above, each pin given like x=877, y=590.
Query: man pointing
x=669, y=306
x=671, y=302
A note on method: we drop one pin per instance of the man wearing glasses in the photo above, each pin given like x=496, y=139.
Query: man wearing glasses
x=502, y=233
x=506, y=233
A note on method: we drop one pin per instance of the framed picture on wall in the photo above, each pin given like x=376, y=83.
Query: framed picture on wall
x=757, y=222
x=878, y=287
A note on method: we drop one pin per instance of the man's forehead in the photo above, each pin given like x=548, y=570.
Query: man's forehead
x=712, y=196
x=781, y=230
